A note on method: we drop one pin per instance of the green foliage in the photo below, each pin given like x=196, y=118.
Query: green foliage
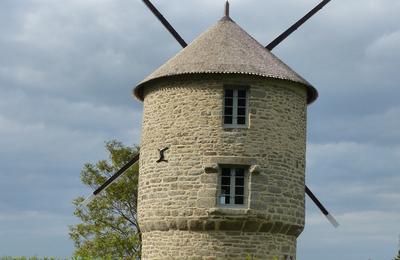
x=398, y=256
x=109, y=229
x=31, y=258
x=251, y=257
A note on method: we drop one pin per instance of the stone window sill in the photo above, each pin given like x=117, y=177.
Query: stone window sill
x=229, y=211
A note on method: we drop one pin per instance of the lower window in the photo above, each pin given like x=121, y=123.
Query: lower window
x=232, y=186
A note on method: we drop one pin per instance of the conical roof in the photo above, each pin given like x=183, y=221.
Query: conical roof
x=226, y=48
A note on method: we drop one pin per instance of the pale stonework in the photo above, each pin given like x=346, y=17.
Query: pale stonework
x=178, y=210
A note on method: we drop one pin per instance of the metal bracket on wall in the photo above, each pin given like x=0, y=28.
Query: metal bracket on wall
x=162, y=155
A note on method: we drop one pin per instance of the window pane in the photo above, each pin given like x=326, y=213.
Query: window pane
x=228, y=111
x=241, y=111
x=226, y=172
x=228, y=93
x=227, y=200
x=225, y=181
x=228, y=120
x=239, y=172
x=239, y=200
x=225, y=190
x=242, y=93
x=224, y=199
x=241, y=102
x=239, y=181
x=241, y=120
x=228, y=102
x=239, y=191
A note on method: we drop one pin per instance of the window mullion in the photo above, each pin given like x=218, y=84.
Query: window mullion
x=235, y=107
x=232, y=189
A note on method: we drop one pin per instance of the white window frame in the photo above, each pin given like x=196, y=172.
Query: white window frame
x=232, y=187
x=235, y=99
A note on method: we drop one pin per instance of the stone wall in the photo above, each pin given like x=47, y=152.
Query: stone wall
x=178, y=198
x=217, y=245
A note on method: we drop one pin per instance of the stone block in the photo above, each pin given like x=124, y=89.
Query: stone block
x=195, y=225
x=251, y=226
x=160, y=225
x=207, y=193
x=230, y=225
x=211, y=168
x=209, y=225
x=295, y=230
x=206, y=202
x=277, y=227
x=182, y=224
x=266, y=227
x=208, y=178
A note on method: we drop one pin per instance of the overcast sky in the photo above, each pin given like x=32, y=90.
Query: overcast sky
x=67, y=69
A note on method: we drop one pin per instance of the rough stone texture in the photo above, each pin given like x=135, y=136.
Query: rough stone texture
x=217, y=245
x=178, y=210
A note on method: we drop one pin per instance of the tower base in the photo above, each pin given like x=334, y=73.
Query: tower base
x=176, y=244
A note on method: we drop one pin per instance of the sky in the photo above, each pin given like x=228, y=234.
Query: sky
x=67, y=69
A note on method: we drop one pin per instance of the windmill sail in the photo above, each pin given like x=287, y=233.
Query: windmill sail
x=296, y=25
x=324, y=211
x=166, y=24
x=92, y=196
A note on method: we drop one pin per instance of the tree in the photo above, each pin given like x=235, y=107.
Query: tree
x=398, y=256
x=109, y=226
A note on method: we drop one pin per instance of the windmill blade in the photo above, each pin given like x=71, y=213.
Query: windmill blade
x=295, y=26
x=110, y=180
x=164, y=21
x=322, y=208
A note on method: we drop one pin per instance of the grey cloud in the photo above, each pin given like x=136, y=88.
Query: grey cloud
x=349, y=161
x=67, y=69
x=374, y=127
x=78, y=50
x=39, y=232
x=80, y=116
x=362, y=235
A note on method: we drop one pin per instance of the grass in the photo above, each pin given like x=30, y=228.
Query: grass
x=34, y=258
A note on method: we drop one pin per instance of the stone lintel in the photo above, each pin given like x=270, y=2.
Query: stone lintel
x=230, y=160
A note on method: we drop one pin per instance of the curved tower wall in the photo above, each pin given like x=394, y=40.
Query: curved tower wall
x=179, y=213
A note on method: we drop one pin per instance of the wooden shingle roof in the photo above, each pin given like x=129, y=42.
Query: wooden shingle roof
x=226, y=48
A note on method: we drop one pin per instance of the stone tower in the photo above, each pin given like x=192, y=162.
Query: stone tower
x=233, y=117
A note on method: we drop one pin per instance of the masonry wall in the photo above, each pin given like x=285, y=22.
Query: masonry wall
x=217, y=245
x=178, y=210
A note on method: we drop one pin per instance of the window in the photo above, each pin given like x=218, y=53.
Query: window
x=235, y=107
x=232, y=186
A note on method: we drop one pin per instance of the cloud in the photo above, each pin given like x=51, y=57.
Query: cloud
x=379, y=126
x=42, y=233
x=361, y=235
x=68, y=68
x=79, y=50
x=62, y=130
x=82, y=116
x=351, y=160
x=386, y=48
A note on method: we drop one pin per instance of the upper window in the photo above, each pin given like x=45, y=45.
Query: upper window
x=232, y=186
x=235, y=107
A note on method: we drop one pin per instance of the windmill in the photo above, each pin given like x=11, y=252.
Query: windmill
x=203, y=181
x=183, y=43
